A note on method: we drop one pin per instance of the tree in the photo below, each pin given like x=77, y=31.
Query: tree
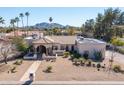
x=2, y=20
x=120, y=20
x=21, y=15
x=12, y=22
x=5, y=51
x=56, y=31
x=98, y=33
x=71, y=31
x=27, y=14
x=17, y=21
x=20, y=44
x=50, y=20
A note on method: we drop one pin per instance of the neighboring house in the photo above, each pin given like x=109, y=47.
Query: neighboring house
x=52, y=45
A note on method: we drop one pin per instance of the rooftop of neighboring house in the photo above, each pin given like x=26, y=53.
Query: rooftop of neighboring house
x=21, y=33
x=89, y=40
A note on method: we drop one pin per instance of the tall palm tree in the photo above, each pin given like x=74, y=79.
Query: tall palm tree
x=1, y=20
x=21, y=15
x=27, y=14
x=12, y=22
x=17, y=21
x=50, y=20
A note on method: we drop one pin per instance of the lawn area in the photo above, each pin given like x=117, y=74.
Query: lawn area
x=63, y=70
x=5, y=72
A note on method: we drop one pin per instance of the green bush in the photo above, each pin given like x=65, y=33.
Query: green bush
x=18, y=62
x=20, y=44
x=120, y=50
x=13, y=69
x=76, y=61
x=82, y=61
x=66, y=54
x=75, y=55
x=98, y=55
x=98, y=67
x=89, y=64
x=48, y=69
x=117, y=42
x=117, y=68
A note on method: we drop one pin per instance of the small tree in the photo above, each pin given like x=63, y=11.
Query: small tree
x=20, y=43
x=5, y=51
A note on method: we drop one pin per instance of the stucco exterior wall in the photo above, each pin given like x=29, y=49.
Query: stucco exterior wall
x=90, y=47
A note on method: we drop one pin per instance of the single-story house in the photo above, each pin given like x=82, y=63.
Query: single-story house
x=52, y=45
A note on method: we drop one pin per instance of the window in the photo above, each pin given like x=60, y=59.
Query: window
x=55, y=47
x=62, y=48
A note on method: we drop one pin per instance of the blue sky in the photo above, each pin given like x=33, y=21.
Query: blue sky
x=65, y=16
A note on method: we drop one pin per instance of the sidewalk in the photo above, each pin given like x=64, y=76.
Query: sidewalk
x=32, y=69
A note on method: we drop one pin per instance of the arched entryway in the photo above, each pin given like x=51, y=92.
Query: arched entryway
x=41, y=49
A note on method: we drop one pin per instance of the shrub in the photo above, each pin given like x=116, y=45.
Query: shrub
x=66, y=54
x=98, y=66
x=81, y=61
x=89, y=63
x=117, y=42
x=86, y=55
x=117, y=68
x=20, y=44
x=48, y=69
x=98, y=55
x=72, y=57
x=77, y=55
x=13, y=69
x=94, y=65
x=21, y=61
x=18, y=62
x=75, y=60
x=120, y=50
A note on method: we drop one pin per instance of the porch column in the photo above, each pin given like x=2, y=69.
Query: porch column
x=35, y=49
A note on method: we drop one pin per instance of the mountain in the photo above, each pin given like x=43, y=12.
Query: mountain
x=45, y=25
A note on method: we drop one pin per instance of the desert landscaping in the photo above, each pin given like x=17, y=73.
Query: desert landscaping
x=7, y=75
x=64, y=70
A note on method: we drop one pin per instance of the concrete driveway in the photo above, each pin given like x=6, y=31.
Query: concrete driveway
x=117, y=56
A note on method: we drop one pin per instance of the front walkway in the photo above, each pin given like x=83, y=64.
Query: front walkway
x=32, y=69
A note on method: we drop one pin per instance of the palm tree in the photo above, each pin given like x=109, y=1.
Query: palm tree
x=17, y=21
x=1, y=20
x=27, y=14
x=12, y=22
x=21, y=15
x=50, y=20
